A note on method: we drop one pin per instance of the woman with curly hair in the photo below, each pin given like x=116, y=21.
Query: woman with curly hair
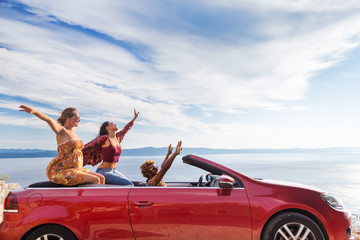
x=150, y=171
x=67, y=167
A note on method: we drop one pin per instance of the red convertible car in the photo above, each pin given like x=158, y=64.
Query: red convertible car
x=224, y=205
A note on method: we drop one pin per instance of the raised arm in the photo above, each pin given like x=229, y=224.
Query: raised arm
x=167, y=156
x=120, y=135
x=167, y=162
x=136, y=114
x=52, y=123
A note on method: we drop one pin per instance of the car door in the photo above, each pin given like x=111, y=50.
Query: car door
x=189, y=213
x=101, y=213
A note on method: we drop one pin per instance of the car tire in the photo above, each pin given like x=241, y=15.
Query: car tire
x=292, y=226
x=51, y=232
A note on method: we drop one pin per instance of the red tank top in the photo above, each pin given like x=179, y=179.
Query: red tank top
x=111, y=154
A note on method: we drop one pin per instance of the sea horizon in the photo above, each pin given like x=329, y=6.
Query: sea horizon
x=158, y=151
x=336, y=173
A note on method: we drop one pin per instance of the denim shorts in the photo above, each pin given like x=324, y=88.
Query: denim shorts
x=112, y=176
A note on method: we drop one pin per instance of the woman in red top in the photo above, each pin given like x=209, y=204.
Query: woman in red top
x=106, y=149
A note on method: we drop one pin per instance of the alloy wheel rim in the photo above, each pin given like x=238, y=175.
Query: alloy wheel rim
x=50, y=237
x=294, y=231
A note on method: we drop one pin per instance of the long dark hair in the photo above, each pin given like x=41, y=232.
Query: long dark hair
x=103, y=130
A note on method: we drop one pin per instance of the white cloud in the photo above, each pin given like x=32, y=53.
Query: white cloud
x=75, y=65
x=229, y=76
x=25, y=121
x=290, y=5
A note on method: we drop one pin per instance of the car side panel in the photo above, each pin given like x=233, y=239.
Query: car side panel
x=11, y=228
x=190, y=213
x=267, y=200
x=90, y=213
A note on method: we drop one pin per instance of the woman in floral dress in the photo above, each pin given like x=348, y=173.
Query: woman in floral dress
x=67, y=167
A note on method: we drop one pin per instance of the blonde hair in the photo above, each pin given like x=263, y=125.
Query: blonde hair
x=145, y=168
x=65, y=114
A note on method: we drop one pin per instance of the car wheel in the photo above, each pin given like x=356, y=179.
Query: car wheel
x=51, y=232
x=292, y=226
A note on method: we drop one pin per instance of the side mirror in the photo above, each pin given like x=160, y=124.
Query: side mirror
x=226, y=182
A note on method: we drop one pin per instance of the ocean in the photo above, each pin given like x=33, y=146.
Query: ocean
x=336, y=172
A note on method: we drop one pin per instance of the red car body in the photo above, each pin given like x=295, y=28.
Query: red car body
x=228, y=206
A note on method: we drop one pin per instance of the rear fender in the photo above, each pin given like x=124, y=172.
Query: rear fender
x=47, y=214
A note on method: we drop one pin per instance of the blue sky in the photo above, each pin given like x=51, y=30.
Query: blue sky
x=219, y=74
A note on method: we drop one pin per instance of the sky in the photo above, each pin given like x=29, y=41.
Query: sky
x=216, y=74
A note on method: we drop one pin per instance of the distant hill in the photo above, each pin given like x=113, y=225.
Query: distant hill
x=153, y=151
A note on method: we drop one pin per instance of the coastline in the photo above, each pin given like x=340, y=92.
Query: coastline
x=355, y=226
x=159, y=151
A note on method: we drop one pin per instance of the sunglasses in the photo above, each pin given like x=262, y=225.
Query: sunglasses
x=154, y=167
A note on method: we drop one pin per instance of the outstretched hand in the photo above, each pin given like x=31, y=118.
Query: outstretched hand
x=136, y=114
x=169, y=150
x=55, y=126
x=178, y=148
x=26, y=109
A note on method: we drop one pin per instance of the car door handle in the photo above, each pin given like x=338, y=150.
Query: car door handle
x=143, y=204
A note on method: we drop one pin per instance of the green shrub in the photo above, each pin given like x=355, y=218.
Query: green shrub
x=4, y=177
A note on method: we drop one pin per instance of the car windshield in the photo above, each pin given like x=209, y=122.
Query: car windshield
x=181, y=172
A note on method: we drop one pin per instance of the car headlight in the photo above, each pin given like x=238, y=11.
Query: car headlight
x=333, y=201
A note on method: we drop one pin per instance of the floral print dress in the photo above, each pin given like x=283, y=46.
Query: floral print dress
x=67, y=167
